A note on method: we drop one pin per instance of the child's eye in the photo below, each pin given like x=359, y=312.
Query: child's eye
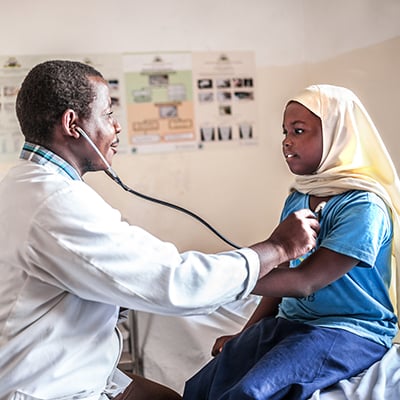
x=298, y=131
x=284, y=132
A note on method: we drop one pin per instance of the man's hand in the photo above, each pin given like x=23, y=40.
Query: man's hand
x=297, y=234
x=294, y=236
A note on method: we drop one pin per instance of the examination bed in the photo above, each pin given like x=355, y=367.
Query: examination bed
x=174, y=348
x=380, y=382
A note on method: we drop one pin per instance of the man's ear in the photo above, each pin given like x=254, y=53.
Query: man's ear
x=69, y=123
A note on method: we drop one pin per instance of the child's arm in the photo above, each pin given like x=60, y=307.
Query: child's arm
x=268, y=307
x=302, y=281
x=317, y=271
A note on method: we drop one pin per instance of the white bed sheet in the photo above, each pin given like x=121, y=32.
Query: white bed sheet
x=380, y=382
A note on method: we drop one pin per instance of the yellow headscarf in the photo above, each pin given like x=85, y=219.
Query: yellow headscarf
x=354, y=157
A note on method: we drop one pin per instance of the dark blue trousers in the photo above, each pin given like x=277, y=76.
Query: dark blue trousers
x=279, y=359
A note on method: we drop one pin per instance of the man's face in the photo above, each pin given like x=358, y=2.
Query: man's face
x=101, y=126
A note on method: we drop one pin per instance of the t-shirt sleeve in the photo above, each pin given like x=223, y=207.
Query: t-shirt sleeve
x=360, y=227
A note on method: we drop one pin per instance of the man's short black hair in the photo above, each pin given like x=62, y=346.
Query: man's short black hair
x=47, y=91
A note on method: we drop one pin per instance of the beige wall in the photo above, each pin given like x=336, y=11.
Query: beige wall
x=374, y=74
x=240, y=191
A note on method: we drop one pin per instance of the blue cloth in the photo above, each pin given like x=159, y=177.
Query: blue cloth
x=357, y=224
x=280, y=359
x=302, y=350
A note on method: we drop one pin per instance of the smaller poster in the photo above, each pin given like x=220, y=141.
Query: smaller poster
x=225, y=101
x=14, y=68
x=12, y=72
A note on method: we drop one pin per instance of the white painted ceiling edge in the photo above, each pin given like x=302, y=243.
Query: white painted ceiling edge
x=280, y=32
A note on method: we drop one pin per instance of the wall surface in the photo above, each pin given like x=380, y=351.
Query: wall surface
x=240, y=191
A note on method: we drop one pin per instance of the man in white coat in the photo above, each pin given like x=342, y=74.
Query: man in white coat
x=68, y=261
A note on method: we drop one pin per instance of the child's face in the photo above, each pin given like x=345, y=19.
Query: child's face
x=302, y=144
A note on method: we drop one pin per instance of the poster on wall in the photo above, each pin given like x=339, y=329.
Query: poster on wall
x=225, y=101
x=164, y=101
x=160, y=110
x=13, y=70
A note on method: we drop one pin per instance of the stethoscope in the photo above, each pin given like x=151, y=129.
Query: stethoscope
x=114, y=176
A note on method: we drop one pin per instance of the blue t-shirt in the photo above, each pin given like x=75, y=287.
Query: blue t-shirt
x=357, y=224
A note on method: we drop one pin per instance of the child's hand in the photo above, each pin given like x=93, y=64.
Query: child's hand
x=219, y=344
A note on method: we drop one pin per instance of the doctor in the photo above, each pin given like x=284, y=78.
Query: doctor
x=68, y=262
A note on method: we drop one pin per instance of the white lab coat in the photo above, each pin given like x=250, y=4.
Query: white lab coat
x=67, y=263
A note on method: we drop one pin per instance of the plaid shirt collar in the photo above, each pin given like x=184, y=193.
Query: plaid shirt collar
x=41, y=155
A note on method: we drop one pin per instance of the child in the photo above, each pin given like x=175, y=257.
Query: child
x=329, y=316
